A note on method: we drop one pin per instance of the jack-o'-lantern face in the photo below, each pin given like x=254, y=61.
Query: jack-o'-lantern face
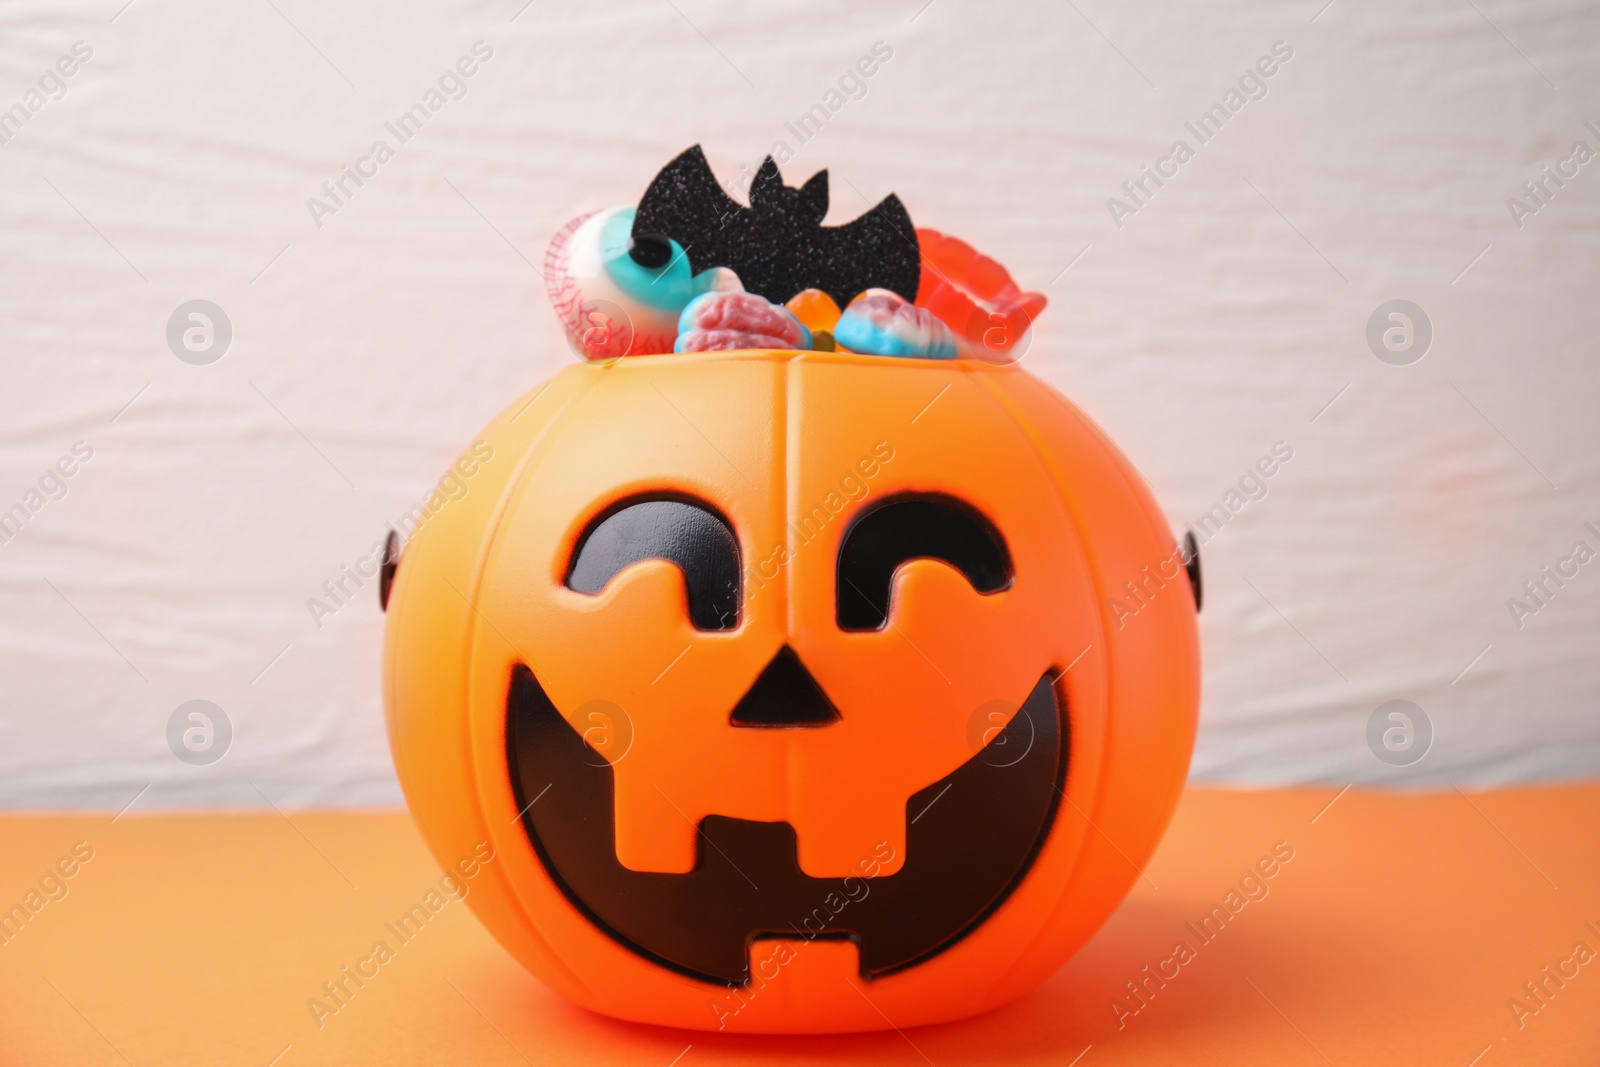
x=893, y=790
x=793, y=657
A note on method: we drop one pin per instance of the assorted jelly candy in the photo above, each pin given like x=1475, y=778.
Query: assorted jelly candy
x=609, y=304
x=622, y=279
x=721, y=321
x=882, y=323
x=815, y=309
x=974, y=296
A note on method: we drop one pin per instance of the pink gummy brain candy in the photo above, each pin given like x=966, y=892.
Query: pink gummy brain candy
x=723, y=321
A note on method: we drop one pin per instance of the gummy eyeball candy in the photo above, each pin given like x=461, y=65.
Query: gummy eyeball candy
x=723, y=321
x=588, y=273
x=883, y=323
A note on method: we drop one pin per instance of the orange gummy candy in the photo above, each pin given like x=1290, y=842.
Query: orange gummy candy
x=815, y=309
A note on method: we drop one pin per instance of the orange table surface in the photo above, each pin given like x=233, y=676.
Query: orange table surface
x=1402, y=931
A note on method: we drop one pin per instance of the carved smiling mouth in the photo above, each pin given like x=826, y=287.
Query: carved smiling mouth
x=970, y=839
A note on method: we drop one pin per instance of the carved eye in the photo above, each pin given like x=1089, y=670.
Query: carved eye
x=687, y=533
x=925, y=526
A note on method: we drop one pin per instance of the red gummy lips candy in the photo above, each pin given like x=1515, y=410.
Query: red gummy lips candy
x=975, y=296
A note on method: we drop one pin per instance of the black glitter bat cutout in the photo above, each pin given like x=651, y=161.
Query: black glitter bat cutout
x=778, y=245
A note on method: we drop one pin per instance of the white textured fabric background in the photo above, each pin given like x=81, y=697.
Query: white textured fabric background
x=1226, y=314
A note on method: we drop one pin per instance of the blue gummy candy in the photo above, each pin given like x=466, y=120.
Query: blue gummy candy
x=858, y=333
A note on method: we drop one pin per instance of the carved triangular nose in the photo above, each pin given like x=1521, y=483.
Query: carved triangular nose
x=785, y=695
